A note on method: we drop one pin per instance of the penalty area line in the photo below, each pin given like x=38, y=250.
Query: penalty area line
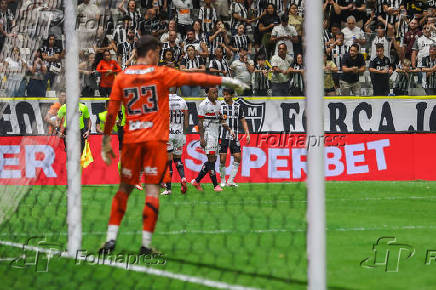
x=136, y=268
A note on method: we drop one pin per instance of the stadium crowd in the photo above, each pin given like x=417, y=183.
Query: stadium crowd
x=372, y=47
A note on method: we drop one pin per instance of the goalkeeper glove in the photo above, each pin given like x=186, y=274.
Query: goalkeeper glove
x=234, y=84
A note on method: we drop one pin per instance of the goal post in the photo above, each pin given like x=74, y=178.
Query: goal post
x=316, y=237
x=74, y=197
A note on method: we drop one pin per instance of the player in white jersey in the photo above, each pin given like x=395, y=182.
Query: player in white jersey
x=177, y=139
x=209, y=123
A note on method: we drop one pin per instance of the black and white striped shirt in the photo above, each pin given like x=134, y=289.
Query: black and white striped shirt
x=125, y=51
x=297, y=78
x=261, y=5
x=240, y=41
x=326, y=36
x=120, y=34
x=338, y=53
x=232, y=113
x=196, y=62
x=238, y=8
x=221, y=65
x=7, y=17
x=208, y=18
x=177, y=51
x=135, y=16
x=260, y=81
x=215, y=44
x=392, y=19
x=428, y=62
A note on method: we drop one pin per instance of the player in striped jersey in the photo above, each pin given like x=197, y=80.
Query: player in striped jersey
x=232, y=113
x=177, y=139
x=209, y=123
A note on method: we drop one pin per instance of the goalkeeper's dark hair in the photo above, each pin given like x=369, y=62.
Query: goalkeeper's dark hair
x=146, y=43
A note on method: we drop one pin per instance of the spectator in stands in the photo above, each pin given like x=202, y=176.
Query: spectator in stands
x=89, y=76
x=184, y=20
x=240, y=41
x=171, y=27
x=354, y=8
x=207, y=16
x=239, y=15
x=284, y=33
x=88, y=15
x=222, y=8
x=219, y=65
x=259, y=81
x=220, y=39
x=297, y=77
x=200, y=46
x=338, y=51
x=131, y=11
x=281, y=67
x=329, y=84
x=352, y=33
x=125, y=49
x=102, y=44
x=16, y=84
x=176, y=50
x=392, y=8
x=266, y=25
x=120, y=32
x=37, y=83
x=150, y=24
x=191, y=63
x=404, y=79
x=108, y=69
x=353, y=63
x=381, y=70
x=168, y=58
x=380, y=38
x=7, y=16
x=332, y=12
x=297, y=21
x=421, y=47
x=198, y=31
x=242, y=69
x=429, y=68
x=410, y=37
x=51, y=54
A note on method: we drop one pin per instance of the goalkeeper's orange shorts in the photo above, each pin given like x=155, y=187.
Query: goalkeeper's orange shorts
x=148, y=158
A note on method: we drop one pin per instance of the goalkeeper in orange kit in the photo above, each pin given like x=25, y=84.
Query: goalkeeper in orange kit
x=143, y=89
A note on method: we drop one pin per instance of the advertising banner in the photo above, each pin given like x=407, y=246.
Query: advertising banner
x=39, y=160
x=263, y=115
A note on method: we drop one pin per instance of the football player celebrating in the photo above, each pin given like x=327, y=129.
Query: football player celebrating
x=209, y=123
x=143, y=89
x=178, y=128
x=232, y=113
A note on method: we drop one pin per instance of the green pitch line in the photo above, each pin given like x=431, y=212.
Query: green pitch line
x=252, y=236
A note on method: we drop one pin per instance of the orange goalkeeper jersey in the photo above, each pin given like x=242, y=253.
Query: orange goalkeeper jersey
x=143, y=89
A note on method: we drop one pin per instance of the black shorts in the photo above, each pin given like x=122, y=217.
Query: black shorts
x=82, y=140
x=235, y=146
x=120, y=134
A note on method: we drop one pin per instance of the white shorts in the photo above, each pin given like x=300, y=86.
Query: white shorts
x=175, y=143
x=212, y=145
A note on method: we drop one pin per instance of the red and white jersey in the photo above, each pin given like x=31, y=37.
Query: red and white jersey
x=177, y=117
x=211, y=113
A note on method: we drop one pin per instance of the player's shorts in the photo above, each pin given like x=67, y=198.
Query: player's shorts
x=120, y=134
x=235, y=146
x=212, y=145
x=175, y=143
x=149, y=158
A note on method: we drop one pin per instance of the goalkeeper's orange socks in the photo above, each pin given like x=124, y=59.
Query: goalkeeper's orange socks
x=149, y=219
x=119, y=205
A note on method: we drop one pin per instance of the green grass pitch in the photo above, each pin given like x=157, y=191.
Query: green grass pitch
x=252, y=236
